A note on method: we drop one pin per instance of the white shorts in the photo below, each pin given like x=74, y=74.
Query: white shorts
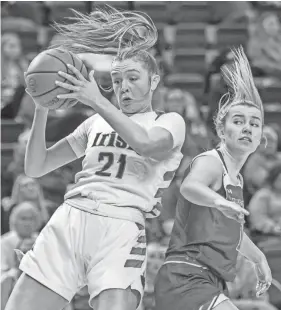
x=77, y=248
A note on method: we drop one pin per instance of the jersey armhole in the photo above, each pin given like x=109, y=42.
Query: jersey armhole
x=200, y=155
x=212, y=153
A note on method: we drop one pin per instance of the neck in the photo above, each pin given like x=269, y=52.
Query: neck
x=233, y=160
x=147, y=108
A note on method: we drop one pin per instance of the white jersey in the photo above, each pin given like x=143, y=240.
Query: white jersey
x=115, y=181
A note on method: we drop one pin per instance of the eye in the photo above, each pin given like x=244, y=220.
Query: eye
x=256, y=125
x=116, y=82
x=133, y=79
x=237, y=122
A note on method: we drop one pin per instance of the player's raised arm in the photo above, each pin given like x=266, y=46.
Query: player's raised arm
x=38, y=159
x=168, y=132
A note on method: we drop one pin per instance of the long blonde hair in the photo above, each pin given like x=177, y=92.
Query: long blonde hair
x=241, y=87
x=108, y=31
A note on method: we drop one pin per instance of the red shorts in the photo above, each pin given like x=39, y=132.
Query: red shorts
x=181, y=285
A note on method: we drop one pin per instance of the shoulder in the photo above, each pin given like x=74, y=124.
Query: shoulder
x=207, y=169
x=171, y=116
x=92, y=119
x=88, y=123
x=172, y=121
x=210, y=159
x=206, y=164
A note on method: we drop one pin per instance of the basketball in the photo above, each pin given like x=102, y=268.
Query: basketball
x=42, y=74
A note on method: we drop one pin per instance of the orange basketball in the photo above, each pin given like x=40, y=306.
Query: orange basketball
x=43, y=73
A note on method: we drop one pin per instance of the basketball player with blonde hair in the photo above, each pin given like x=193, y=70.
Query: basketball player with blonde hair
x=97, y=237
x=208, y=231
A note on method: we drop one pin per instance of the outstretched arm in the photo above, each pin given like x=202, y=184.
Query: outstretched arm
x=255, y=255
x=199, y=188
x=249, y=250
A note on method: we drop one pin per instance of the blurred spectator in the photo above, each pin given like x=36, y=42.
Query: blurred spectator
x=24, y=189
x=265, y=206
x=30, y=10
x=13, y=65
x=258, y=165
x=25, y=221
x=185, y=104
x=16, y=167
x=242, y=290
x=264, y=46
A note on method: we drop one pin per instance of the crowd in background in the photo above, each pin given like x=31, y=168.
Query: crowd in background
x=27, y=204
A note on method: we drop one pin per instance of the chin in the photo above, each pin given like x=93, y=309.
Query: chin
x=246, y=149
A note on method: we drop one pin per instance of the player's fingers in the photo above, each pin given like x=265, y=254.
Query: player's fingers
x=244, y=211
x=68, y=86
x=91, y=75
x=262, y=289
x=70, y=78
x=76, y=72
x=241, y=211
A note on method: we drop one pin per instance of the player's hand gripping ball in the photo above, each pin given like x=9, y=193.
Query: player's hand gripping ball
x=42, y=75
x=83, y=90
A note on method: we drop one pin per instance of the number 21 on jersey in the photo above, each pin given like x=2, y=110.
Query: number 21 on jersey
x=108, y=159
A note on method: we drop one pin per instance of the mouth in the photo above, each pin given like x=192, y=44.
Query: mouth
x=126, y=100
x=248, y=139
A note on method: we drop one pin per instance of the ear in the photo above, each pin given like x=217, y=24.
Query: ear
x=155, y=79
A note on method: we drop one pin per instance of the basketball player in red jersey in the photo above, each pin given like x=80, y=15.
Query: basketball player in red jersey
x=97, y=237
x=208, y=230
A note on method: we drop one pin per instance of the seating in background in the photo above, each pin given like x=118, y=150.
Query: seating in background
x=10, y=131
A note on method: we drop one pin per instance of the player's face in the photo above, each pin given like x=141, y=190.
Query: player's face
x=132, y=87
x=243, y=129
x=25, y=223
x=29, y=189
x=12, y=48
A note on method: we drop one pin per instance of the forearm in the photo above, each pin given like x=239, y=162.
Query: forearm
x=200, y=194
x=249, y=250
x=36, y=147
x=134, y=134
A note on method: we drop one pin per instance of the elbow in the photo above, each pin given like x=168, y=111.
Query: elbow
x=149, y=149
x=186, y=189
x=144, y=149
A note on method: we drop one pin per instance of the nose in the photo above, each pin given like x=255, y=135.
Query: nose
x=124, y=86
x=247, y=128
